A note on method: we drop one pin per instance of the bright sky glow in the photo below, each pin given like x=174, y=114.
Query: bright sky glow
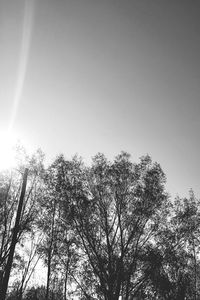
x=88, y=76
x=9, y=143
x=7, y=152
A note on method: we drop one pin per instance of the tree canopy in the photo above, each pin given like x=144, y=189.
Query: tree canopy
x=104, y=231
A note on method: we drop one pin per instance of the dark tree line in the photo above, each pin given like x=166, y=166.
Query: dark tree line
x=106, y=231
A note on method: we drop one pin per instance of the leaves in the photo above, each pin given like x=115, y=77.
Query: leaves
x=103, y=231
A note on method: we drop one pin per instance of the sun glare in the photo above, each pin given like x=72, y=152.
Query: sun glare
x=8, y=142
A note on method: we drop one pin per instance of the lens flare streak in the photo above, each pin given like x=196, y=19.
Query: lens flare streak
x=24, y=54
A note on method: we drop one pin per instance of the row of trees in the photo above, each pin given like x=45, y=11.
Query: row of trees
x=106, y=231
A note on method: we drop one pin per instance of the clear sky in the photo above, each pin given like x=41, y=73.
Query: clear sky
x=88, y=76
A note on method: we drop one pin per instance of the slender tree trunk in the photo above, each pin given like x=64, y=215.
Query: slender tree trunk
x=195, y=271
x=66, y=278
x=14, y=239
x=48, y=274
x=50, y=253
x=65, y=287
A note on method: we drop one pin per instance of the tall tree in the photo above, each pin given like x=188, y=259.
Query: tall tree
x=58, y=248
x=115, y=210
x=16, y=231
x=18, y=222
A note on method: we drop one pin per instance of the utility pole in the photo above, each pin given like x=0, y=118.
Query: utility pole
x=16, y=228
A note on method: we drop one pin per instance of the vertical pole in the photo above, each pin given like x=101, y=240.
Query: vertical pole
x=14, y=238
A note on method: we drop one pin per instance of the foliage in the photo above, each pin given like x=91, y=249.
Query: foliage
x=102, y=231
x=114, y=209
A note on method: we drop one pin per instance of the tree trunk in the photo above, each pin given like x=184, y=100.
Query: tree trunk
x=195, y=270
x=50, y=252
x=48, y=275
x=65, y=287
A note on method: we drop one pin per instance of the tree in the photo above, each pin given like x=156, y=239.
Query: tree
x=25, y=264
x=114, y=209
x=59, y=244
x=187, y=225
x=176, y=273
x=104, y=231
x=47, y=224
x=16, y=224
x=16, y=231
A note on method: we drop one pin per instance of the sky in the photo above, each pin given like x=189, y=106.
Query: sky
x=88, y=76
